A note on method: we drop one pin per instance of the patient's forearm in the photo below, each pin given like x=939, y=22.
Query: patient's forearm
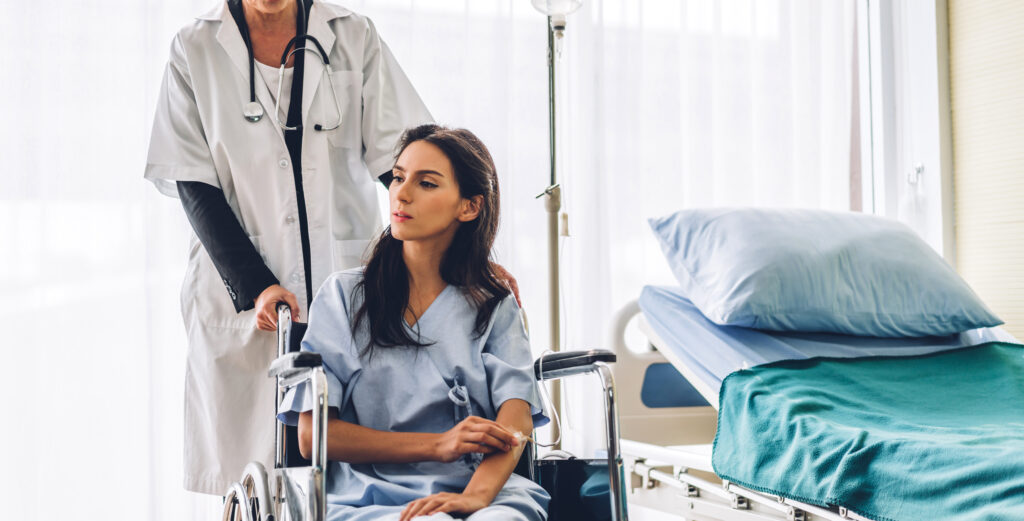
x=496, y=468
x=353, y=443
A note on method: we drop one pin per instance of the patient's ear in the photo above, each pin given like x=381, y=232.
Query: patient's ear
x=471, y=208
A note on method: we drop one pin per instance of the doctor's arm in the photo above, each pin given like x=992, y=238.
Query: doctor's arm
x=240, y=266
x=180, y=163
x=354, y=443
x=489, y=477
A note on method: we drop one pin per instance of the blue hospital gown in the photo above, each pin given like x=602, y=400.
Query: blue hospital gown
x=402, y=389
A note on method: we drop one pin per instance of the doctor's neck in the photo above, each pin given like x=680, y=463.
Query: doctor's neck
x=270, y=15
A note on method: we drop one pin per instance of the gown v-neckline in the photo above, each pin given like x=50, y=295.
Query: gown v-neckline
x=426, y=312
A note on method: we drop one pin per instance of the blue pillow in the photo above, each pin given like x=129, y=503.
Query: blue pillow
x=814, y=270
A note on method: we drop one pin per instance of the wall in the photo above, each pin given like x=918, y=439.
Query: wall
x=986, y=53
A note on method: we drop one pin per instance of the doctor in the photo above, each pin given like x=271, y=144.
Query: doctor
x=274, y=153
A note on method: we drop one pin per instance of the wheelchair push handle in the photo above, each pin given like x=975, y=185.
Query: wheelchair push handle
x=284, y=327
x=553, y=366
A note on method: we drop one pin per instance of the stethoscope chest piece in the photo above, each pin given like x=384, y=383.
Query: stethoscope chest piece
x=252, y=111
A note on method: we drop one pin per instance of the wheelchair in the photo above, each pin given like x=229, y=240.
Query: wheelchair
x=294, y=490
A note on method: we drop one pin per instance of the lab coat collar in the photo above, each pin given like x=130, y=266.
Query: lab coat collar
x=230, y=39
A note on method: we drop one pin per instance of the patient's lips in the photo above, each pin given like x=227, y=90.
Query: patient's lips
x=400, y=216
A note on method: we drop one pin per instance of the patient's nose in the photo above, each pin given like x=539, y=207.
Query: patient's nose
x=403, y=193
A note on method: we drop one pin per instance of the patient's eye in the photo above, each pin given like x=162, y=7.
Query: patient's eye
x=397, y=178
x=427, y=184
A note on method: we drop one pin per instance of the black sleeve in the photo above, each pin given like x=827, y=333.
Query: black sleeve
x=239, y=264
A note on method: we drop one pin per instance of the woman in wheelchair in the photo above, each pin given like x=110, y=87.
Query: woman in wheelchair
x=430, y=382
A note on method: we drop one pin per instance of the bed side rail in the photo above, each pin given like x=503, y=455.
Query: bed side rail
x=661, y=425
x=652, y=467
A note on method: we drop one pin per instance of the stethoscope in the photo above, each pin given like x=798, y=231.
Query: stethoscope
x=253, y=110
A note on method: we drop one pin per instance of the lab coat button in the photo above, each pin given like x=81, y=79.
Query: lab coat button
x=290, y=219
x=295, y=277
x=283, y=163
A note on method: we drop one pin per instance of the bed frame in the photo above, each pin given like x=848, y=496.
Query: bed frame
x=667, y=451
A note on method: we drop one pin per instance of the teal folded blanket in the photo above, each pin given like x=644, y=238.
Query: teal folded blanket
x=923, y=438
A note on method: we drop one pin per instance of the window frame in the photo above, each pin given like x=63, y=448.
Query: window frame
x=906, y=136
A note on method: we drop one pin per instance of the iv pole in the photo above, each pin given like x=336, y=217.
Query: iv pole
x=552, y=196
x=557, y=11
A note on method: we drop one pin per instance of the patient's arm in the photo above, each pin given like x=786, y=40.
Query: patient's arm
x=353, y=443
x=489, y=477
x=492, y=474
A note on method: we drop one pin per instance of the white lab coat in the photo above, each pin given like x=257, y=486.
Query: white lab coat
x=199, y=134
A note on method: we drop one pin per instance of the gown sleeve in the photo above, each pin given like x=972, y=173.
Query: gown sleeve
x=329, y=334
x=178, y=149
x=390, y=105
x=508, y=361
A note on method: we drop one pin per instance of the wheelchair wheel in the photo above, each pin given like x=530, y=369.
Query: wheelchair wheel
x=249, y=499
x=254, y=481
x=236, y=504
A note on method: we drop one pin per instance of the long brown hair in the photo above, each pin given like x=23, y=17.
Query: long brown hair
x=467, y=262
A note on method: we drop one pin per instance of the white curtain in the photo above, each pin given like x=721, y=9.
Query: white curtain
x=672, y=105
x=663, y=105
x=91, y=265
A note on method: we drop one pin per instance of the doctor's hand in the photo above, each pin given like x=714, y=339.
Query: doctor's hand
x=474, y=434
x=504, y=275
x=266, y=306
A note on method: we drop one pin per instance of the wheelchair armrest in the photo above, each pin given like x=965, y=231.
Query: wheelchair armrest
x=291, y=364
x=567, y=363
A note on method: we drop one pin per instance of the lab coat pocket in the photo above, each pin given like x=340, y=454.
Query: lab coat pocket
x=213, y=299
x=347, y=87
x=349, y=253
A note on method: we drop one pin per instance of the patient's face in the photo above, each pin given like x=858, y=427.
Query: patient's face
x=424, y=194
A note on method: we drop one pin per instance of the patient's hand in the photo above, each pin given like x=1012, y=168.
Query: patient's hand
x=444, y=502
x=474, y=434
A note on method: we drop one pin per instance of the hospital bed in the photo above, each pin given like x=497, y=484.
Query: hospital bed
x=294, y=490
x=667, y=447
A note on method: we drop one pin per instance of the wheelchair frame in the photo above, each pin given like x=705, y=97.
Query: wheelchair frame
x=298, y=493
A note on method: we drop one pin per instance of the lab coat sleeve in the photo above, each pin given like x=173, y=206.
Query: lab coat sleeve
x=509, y=362
x=328, y=334
x=178, y=150
x=390, y=105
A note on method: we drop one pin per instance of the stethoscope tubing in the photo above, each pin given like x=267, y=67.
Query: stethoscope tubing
x=288, y=52
x=253, y=111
